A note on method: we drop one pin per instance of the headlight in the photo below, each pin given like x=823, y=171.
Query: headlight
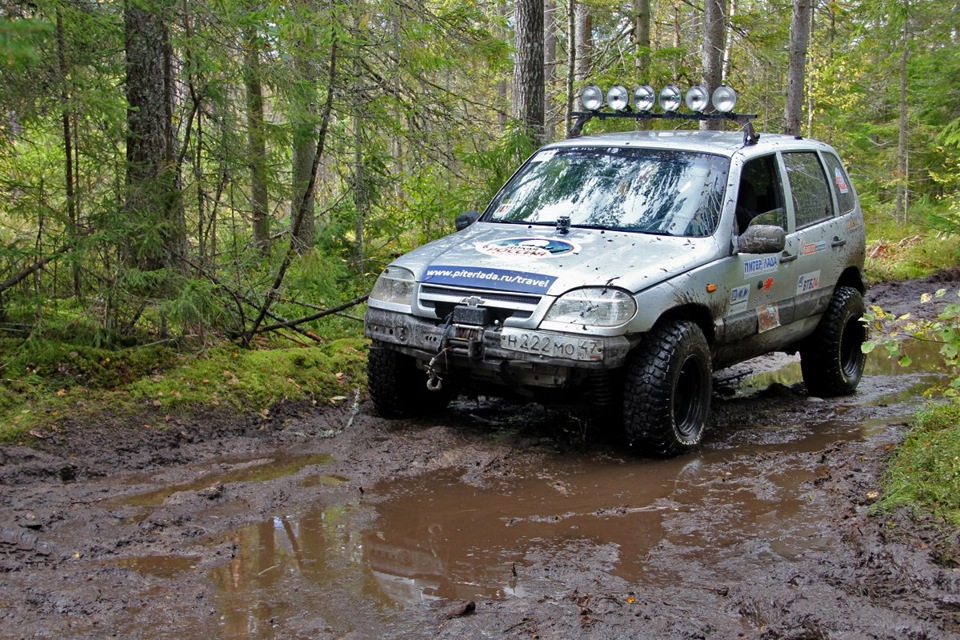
x=394, y=286
x=596, y=306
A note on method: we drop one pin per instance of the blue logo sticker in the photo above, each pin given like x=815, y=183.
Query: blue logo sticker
x=484, y=278
x=528, y=247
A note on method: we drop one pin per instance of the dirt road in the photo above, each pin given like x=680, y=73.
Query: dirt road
x=490, y=521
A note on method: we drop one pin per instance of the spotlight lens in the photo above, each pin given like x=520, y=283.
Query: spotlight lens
x=670, y=98
x=724, y=99
x=617, y=97
x=592, y=98
x=697, y=98
x=644, y=98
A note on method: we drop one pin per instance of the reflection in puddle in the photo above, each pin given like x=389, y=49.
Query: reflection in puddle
x=710, y=519
x=158, y=566
x=251, y=470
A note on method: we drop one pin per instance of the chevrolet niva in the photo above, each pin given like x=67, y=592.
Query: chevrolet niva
x=619, y=271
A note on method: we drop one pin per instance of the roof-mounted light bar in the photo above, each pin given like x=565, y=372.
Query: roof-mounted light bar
x=640, y=104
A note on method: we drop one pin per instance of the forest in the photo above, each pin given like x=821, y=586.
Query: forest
x=200, y=171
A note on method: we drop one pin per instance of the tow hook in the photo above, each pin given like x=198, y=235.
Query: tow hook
x=435, y=383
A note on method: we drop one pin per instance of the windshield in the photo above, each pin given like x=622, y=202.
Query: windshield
x=673, y=193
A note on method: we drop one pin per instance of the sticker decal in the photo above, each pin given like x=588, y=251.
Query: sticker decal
x=812, y=248
x=808, y=282
x=528, y=247
x=841, y=183
x=484, y=278
x=768, y=317
x=544, y=155
x=761, y=266
x=738, y=298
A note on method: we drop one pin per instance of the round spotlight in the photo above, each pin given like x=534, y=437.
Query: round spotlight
x=617, y=98
x=592, y=98
x=670, y=98
x=644, y=98
x=697, y=98
x=724, y=99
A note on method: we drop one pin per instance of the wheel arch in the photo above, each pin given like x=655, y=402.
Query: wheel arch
x=852, y=277
x=697, y=313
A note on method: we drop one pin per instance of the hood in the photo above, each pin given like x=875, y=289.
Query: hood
x=532, y=259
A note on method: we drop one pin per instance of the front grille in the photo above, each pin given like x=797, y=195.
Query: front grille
x=502, y=305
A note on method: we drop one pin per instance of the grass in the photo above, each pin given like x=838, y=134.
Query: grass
x=903, y=251
x=44, y=381
x=924, y=474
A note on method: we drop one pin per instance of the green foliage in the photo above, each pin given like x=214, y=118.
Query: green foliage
x=890, y=330
x=924, y=474
x=46, y=384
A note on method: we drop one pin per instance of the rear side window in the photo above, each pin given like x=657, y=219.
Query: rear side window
x=812, y=201
x=841, y=184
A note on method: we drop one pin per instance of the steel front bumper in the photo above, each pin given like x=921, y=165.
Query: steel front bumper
x=494, y=346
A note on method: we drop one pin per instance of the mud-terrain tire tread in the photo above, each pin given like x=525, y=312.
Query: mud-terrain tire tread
x=398, y=388
x=831, y=364
x=651, y=382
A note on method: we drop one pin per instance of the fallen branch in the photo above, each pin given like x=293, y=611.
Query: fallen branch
x=315, y=316
x=16, y=279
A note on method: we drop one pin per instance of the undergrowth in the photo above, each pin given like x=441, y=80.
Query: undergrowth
x=46, y=382
x=924, y=473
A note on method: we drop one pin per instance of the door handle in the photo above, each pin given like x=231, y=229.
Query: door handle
x=837, y=242
x=788, y=257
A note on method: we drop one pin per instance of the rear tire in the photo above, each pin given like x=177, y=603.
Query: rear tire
x=667, y=390
x=398, y=387
x=831, y=360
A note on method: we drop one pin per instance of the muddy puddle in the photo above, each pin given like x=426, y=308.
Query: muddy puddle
x=747, y=500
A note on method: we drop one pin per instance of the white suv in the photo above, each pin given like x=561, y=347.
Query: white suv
x=620, y=270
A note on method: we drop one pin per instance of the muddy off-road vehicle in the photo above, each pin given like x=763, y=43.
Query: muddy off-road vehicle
x=619, y=271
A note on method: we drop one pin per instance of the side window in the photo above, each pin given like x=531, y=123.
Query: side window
x=760, y=198
x=808, y=184
x=841, y=184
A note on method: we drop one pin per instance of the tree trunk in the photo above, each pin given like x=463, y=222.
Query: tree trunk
x=256, y=141
x=68, y=169
x=528, y=95
x=152, y=196
x=712, y=60
x=903, y=172
x=797, y=68
x=641, y=38
x=584, y=43
x=549, y=65
x=571, y=61
x=303, y=119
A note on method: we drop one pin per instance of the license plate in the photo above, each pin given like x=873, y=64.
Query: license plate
x=551, y=345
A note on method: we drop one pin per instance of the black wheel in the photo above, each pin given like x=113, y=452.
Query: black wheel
x=398, y=388
x=667, y=390
x=831, y=359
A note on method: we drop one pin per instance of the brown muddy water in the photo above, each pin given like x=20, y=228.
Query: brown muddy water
x=746, y=500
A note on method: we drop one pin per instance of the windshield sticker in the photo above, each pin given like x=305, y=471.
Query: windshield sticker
x=528, y=247
x=760, y=266
x=841, y=182
x=543, y=156
x=483, y=278
x=808, y=282
x=768, y=317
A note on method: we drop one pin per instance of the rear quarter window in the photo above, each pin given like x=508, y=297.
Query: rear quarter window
x=846, y=197
x=812, y=201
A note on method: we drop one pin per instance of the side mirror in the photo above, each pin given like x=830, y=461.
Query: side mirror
x=762, y=238
x=466, y=219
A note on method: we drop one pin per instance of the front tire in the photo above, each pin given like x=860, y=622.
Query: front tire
x=398, y=387
x=831, y=360
x=667, y=390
